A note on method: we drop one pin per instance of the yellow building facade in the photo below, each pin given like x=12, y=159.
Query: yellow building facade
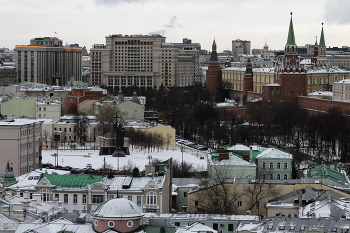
x=318, y=78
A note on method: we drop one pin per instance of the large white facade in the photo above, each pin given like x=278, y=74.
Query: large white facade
x=20, y=141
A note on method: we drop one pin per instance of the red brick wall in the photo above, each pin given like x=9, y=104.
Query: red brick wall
x=321, y=105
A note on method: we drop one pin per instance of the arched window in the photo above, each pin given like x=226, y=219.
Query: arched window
x=325, y=80
x=151, y=198
x=314, y=81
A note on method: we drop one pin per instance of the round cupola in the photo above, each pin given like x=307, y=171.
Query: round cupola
x=117, y=214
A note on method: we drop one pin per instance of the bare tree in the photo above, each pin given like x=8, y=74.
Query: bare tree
x=257, y=190
x=168, y=138
x=218, y=196
x=106, y=118
x=81, y=128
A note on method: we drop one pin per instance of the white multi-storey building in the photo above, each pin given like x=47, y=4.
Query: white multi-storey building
x=20, y=143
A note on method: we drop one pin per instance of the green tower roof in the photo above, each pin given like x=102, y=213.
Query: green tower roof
x=291, y=38
x=322, y=43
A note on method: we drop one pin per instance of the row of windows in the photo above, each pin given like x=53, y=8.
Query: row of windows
x=136, y=80
x=97, y=199
x=278, y=176
x=285, y=165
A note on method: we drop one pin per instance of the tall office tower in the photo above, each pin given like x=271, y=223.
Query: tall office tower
x=47, y=61
x=241, y=46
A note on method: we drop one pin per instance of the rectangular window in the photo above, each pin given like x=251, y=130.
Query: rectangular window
x=57, y=196
x=230, y=227
x=110, y=196
x=239, y=203
x=285, y=165
x=84, y=198
x=278, y=176
x=139, y=200
x=196, y=203
x=129, y=197
x=264, y=165
x=75, y=198
x=97, y=199
x=120, y=196
x=271, y=165
x=185, y=194
x=215, y=226
x=65, y=200
x=278, y=165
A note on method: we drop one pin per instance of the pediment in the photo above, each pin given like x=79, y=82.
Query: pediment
x=44, y=182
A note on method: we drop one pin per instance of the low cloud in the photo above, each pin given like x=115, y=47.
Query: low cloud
x=170, y=25
x=116, y=2
x=337, y=12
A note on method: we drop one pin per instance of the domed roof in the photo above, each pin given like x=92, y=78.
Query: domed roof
x=117, y=208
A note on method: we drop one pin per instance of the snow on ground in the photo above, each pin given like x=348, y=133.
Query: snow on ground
x=80, y=158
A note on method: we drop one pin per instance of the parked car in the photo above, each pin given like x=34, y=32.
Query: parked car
x=46, y=165
x=67, y=168
x=75, y=171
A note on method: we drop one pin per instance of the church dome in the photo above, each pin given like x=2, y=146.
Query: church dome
x=117, y=208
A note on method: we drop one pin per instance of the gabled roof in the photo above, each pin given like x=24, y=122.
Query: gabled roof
x=274, y=153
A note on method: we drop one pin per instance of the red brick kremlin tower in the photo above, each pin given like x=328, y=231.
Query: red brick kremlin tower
x=290, y=75
x=213, y=74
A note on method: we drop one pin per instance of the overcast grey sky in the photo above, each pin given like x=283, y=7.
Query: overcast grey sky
x=87, y=22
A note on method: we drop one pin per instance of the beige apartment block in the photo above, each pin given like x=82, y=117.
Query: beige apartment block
x=20, y=141
x=145, y=61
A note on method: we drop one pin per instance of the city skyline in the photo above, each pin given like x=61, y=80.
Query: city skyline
x=89, y=22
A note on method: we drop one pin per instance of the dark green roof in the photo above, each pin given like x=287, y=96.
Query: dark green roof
x=160, y=167
x=291, y=38
x=71, y=181
x=322, y=42
x=330, y=171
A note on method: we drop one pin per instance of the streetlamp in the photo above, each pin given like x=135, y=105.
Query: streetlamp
x=149, y=157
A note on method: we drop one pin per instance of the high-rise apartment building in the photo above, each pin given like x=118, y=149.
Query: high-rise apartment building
x=145, y=61
x=47, y=61
x=241, y=46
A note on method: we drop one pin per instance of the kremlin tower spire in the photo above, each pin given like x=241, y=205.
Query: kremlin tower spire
x=291, y=38
x=321, y=58
x=213, y=73
x=290, y=75
x=214, y=54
